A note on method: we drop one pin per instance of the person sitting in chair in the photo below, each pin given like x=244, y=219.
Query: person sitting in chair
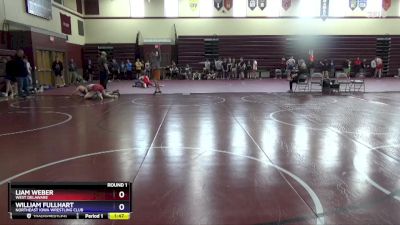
x=294, y=77
x=174, y=71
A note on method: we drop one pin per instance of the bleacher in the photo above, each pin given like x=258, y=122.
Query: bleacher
x=268, y=50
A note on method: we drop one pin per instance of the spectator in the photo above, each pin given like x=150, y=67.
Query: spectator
x=122, y=70
x=357, y=65
x=347, y=67
x=129, y=69
x=147, y=68
x=241, y=68
x=234, y=69
x=325, y=68
x=379, y=67
x=332, y=67
x=20, y=71
x=174, y=71
x=58, y=68
x=138, y=67
x=311, y=65
x=254, y=69
x=364, y=66
x=29, y=69
x=10, y=79
x=373, y=66
x=290, y=66
x=207, y=66
x=229, y=68
x=114, y=69
x=225, y=69
x=73, y=76
x=188, y=72
x=218, y=68
x=89, y=70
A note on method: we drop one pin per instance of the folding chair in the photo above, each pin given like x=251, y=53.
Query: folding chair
x=302, y=83
x=343, y=81
x=359, y=82
x=316, y=80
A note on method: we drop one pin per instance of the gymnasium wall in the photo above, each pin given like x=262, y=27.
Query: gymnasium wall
x=124, y=30
x=115, y=24
x=155, y=8
x=15, y=12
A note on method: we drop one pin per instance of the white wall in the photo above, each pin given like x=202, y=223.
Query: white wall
x=71, y=4
x=155, y=8
x=15, y=12
x=124, y=30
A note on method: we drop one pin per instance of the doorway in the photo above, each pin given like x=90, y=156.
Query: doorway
x=44, y=60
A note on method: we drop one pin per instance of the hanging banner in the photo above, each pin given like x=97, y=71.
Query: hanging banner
x=252, y=4
x=386, y=4
x=228, y=4
x=324, y=9
x=362, y=4
x=65, y=24
x=286, y=4
x=194, y=4
x=218, y=4
x=262, y=4
x=353, y=4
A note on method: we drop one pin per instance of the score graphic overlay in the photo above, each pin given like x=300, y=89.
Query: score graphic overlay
x=107, y=200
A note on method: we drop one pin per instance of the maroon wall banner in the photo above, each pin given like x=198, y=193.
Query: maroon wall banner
x=286, y=4
x=218, y=4
x=324, y=9
x=65, y=24
x=353, y=4
x=362, y=4
x=252, y=4
x=228, y=4
x=386, y=4
x=262, y=4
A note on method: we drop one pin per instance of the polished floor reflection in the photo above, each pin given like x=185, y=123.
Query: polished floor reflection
x=216, y=158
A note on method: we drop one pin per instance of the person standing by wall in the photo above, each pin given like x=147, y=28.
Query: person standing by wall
x=89, y=70
x=122, y=68
x=229, y=68
x=129, y=69
x=58, y=68
x=373, y=67
x=379, y=67
x=332, y=68
x=325, y=68
x=254, y=69
x=138, y=68
x=72, y=72
x=29, y=69
x=21, y=73
x=357, y=65
x=11, y=80
x=290, y=66
x=347, y=67
x=103, y=69
x=147, y=68
x=114, y=69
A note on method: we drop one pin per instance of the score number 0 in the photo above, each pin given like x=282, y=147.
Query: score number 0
x=121, y=194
